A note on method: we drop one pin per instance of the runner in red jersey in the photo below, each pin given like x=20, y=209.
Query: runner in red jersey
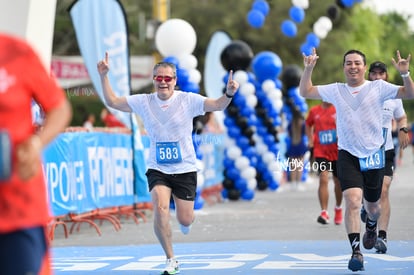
x=24, y=210
x=321, y=131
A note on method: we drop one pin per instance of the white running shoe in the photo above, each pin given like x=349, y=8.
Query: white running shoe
x=171, y=267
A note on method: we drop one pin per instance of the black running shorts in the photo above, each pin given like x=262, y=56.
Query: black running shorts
x=350, y=176
x=183, y=186
x=389, y=162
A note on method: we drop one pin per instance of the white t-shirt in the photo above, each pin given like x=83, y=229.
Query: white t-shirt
x=167, y=123
x=393, y=108
x=359, y=114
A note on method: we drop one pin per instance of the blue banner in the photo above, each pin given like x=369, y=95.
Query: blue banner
x=100, y=27
x=87, y=171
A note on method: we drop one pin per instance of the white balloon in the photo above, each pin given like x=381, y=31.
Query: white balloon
x=242, y=163
x=248, y=173
x=194, y=76
x=320, y=31
x=234, y=152
x=187, y=61
x=175, y=37
x=268, y=85
x=241, y=77
x=268, y=157
x=325, y=23
x=273, y=166
x=261, y=148
x=304, y=4
x=278, y=93
x=251, y=101
x=252, y=184
x=278, y=104
x=247, y=89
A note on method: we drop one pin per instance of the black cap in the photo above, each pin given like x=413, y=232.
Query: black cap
x=378, y=65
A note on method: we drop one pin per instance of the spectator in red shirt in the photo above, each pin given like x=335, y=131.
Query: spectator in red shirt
x=109, y=119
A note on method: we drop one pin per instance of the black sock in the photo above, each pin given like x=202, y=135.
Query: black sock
x=382, y=234
x=371, y=225
x=354, y=239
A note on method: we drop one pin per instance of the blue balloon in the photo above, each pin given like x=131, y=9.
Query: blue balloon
x=172, y=59
x=289, y=28
x=273, y=185
x=190, y=87
x=313, y=40
x=182, y=77
x=347, y=3
x=234, y=132
x=224, y=193
x=242, y=142
x=279, y=83
x=240, y=184
x=266, y=65
x=198, y=203
x=262, y=6
x=247, y=194
x=228, y=163
x=306, y=48
x=229, y=122
x=255, y=18
x=233, y=174
x=297, y=14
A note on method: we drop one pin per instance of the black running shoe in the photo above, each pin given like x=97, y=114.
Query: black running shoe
x=370, y=238
x=356, y=263
x=381, y=245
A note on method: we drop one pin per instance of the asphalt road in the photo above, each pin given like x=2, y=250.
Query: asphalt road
x=280, y=216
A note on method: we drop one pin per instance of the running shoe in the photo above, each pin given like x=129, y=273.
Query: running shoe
x=338, y=216
x=370, y=238
x=323, y=218
x=381, y=245
x=363, y=214
x=356, y=263
x=171, y=267
x=185, y=229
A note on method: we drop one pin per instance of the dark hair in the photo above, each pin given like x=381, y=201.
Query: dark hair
x=165, y=64
x=357, y=52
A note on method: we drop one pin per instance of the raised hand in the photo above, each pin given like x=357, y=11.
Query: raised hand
x=310, y=60
x=401, y=64
x=103, y=65
x=232, y=85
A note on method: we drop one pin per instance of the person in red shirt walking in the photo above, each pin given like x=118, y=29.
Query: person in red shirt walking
x=321, y=131
x=24, y=209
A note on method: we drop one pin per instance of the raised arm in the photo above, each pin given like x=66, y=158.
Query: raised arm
x=306, y=87
x=403, y=66
x=219, y=104
x=111, y=99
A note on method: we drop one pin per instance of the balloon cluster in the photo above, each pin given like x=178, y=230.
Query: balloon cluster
x=252, y=118
x=257, y=15
x=323, y=25
x=176, y=40
x=296, y=15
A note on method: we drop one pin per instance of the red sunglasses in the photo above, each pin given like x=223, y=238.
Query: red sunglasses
x=166, y=78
